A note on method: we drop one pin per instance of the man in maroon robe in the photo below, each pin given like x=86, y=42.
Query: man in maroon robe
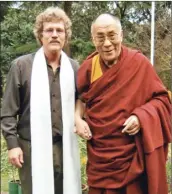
x=127, y=116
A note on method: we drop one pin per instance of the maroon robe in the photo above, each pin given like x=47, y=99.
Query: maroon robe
x=119, y=163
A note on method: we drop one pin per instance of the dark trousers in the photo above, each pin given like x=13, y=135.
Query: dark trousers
x=25, y=171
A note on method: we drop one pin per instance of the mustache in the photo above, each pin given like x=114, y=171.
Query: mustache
x=54, y=41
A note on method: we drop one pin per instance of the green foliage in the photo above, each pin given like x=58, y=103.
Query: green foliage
x=4, y=157
x=17, y=25
x=10, y=53
x=6, y=168
x=17, y=28
x=4, y=182
x=4, y=6
x=8, y=172
x=169, y=170
x=83, y=14
x=166, y=78
x=6, y=58
x=24, y=49
x=81, y=49
x=169, y=167
x=83, y=159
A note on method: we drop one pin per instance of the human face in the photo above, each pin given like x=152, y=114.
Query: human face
x=53, y=36
x=107, y=38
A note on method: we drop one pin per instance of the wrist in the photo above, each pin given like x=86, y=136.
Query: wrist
x=78, y=118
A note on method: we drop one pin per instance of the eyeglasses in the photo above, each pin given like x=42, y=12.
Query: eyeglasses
x=101, y=39
x=50, y=31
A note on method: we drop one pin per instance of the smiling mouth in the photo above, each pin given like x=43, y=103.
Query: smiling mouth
x=108, y=51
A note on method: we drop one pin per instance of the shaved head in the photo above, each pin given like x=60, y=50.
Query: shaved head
x=107, y=18
x=107, y=37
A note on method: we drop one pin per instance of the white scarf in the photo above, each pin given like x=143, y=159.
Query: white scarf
x=41, y=129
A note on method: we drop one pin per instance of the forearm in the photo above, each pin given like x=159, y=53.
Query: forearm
x=10, y=107
x=82, y=128
x=79, y=109
x=9, y=121
x=9, y=131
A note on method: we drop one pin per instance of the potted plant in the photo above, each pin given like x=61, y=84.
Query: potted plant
x=9, y=171
x=19, y=189
x=14, y=186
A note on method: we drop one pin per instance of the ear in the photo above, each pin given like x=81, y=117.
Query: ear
x=92, y=39
x=40, y=39
x=121, y=35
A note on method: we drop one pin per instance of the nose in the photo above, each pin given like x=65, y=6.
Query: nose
x=107, y=42
x=55, y=33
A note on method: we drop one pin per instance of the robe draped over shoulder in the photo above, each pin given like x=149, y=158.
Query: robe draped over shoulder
x=130, y=87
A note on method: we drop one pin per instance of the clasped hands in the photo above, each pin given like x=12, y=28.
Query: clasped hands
x=131, y=127
x=82, y=129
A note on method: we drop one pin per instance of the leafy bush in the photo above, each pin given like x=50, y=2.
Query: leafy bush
x=166, y=78
x=24, y=49
x=81, y=49
x=83, y=159
x=6, y=168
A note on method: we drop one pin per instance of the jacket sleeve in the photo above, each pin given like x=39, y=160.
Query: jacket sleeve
x=11, y=106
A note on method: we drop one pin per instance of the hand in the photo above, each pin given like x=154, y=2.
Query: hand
x=132, y=125
x=82, y=129
x=15, y=157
